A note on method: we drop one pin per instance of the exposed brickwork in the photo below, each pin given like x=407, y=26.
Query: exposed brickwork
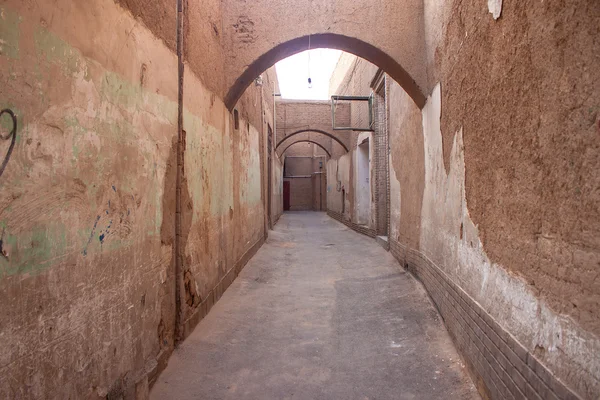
x=301, y=170
x=507, y=369
x=294, y=116
x=301, y=193
x=358, y=228
x=380, y=163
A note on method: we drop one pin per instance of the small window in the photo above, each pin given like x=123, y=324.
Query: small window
x=236, y=120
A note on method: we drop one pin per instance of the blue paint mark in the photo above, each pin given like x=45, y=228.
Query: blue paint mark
x=106, y=212
x=91, y=235
x=101, y=237
x=114, y=188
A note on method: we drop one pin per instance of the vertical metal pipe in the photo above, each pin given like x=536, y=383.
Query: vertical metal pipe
x=179, y=178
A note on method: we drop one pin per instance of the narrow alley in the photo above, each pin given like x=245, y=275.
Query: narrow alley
x=272, y=199
x=321, y=312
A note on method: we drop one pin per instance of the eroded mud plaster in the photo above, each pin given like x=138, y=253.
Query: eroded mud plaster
x=451, y=240
x=338, y=185
x=87, y=201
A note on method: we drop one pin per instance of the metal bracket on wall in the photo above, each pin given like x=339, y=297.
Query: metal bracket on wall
x=12, y=134
x=336, y=98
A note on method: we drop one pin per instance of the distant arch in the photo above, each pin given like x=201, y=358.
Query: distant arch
x=312, y=130
x=325, y=40
x=307, y=141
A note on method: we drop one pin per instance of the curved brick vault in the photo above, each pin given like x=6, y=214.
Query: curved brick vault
x=299, y=120
x=257, y=37
x=287, y=146
x=324, y=139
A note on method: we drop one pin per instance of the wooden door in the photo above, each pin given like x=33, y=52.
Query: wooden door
x=286, y=196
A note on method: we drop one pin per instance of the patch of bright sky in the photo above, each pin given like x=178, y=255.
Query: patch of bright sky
x=293, y=73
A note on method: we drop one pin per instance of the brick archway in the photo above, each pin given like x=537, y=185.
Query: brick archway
x=319, y=131
x=306, y=141
x=348, y=44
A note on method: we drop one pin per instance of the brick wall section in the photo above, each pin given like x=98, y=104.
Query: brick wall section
x=301, y=193
x=302, y=159
x=352, y=225
x=508, y=370
x=380, y=164
x=293, y=115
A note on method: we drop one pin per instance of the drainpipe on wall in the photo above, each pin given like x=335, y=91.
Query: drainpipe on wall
x=179, y=178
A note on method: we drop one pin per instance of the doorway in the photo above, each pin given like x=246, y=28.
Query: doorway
x=270, y=175
x=363, y=185
x=286, y=196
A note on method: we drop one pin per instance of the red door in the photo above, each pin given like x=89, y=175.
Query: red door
x=286, y=196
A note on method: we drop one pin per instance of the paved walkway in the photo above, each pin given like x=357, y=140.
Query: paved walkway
x=320, y=312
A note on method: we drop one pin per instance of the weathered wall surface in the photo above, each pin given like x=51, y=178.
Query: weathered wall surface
x=339, y=186
x=341, y=74
x=407, y=167
x=254, y=32
x=87, y=202
x=554, y=340
x=87, y=289
x=224, y=213
x=363, y=190
x=523, y=90
x=277, y=190
x=494, y=198
x=203, y=34
x=542, y=157
x=484, y=209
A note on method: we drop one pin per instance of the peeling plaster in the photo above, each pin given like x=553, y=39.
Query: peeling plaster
x=508, y=298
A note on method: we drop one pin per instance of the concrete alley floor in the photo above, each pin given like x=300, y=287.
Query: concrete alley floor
x=320, y=312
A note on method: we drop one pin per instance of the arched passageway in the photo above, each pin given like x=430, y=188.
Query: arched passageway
x=135, y=198
x=311, y=130
x=306, y=141
x=348, y=44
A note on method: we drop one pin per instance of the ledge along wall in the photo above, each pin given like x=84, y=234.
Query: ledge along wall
x=87, y=201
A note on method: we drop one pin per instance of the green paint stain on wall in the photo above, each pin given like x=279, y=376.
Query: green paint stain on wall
x=6, y=122
x=195, y=155
x=127, y=120
x=9, y=33
x=134, y=98
x=250, y=193
x=33, y=251
x=208, y=165
x=57, y=51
